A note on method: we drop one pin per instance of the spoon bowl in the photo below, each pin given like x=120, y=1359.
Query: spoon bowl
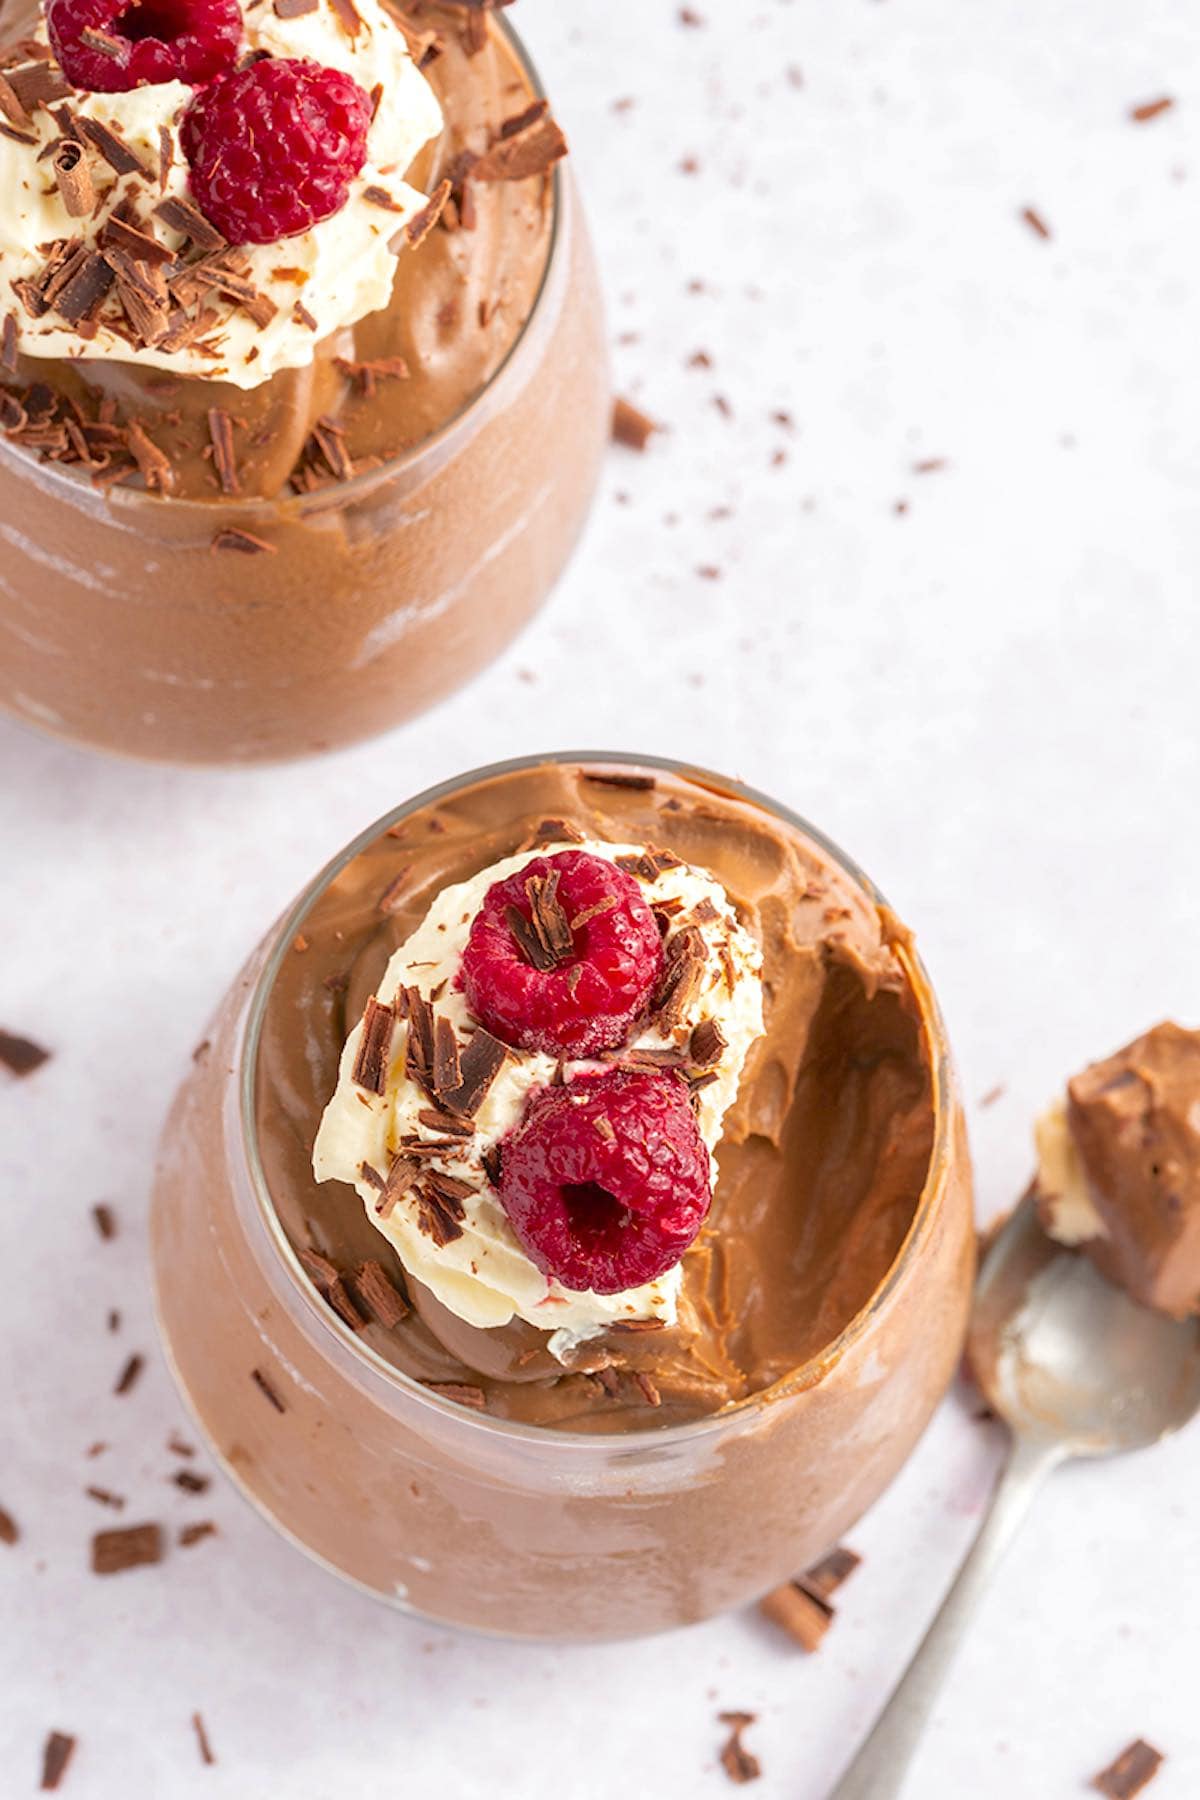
x=1064, y=1356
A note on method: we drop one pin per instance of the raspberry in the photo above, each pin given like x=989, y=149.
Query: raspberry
x=606, y=1180
x=583, y=993
x=274, y=147
x=156, y=41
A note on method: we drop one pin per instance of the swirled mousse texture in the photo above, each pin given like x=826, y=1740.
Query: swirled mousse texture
x=1119, y=1168
x=821, y=1152
x=140, y=348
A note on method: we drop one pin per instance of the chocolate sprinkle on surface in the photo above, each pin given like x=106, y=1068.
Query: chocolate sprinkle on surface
x=738, y=1763
x=805, y=1616
x=447, y=1073
x=826, y=1577
x=618, y=778
x=128, y=1548
x=205, y=1748
x=9, y=1532
x=190, y=1482
x=529, y=144
x=1150, y=109
x=371, y=1063
x=1035, y=222
x=105, y=1497
x=418, y=228
x=264, y=1387
x=380, y=1295
x=708, y=1044
x=19, y=1055
x=183, y=217
x=192, y=1534
x=232, y=537
x=115, y=151
x=56, y=1754
x=631, y=427
x=1133, y=1770
x=220, y=431
x=463, y=1393
x=106, y=1222
x=130, y=1373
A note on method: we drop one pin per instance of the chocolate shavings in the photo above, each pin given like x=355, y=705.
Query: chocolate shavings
x=20, y=1055
x=220, y=431
x=180, y=215
x=265, y=1388
x=371, y=1062
x=480, y=1064
x=232, y=537
x=380, y=1295
x=1133, y=1770
x=115, y=151
x=738, y=1763
x=684, y=959
x=56, y=1754
x=464, y=1394
x=106, y=1222
x=202, y=1743
x=632, y=428
x=529, y=144
x=130, y=1373
x=126, y=1548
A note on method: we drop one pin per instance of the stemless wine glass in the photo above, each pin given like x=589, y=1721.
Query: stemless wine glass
x=505, y=1527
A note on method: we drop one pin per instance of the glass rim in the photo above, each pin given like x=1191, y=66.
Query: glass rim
x=411, y=454
x=805, y=1375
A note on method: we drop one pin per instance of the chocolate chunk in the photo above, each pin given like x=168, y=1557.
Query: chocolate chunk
x=17, y=137
x=826, y=1577
x=127, y=1548
x=106, y=1222
x=187, y=219
x=74, y=178
x=708, y=1043
x=37, y=83
x=379, y=196
x=56, y=1754
x=156, y=468
x=1133, y=1770
x=192, y=1534
x=1035, y=222
x=103, y=43
x=447, y=1073
x=380, y=1295
x=635, y=1326
x=371, y=1063
x=344, y=1304
x=8, y=344
x=417, y=229
x=603, y=1127
x=190, y=1482
x=265, y=1388
x=648, y=865
x=177, y=1447
x=202, y=1743
x=464, y=1394
x=491, y=1164
x=1150, y=109
x=527, y=145
x=648, y=1388
x=9, y=1532
x=347, y=17
x=232, y=537
x=632, y=428
x=293, y=9
x=367, y=375
x=105, y=1497
x=129, y=1373
x=113, y=149
x=419, y=1049
x=220, y=431
x=10, y=104
x=803, y=1615
x=327, y=437
x=618, y=778
x=738, y=1763
x=20, y=1055
x=438, y=1213
x=323, y=1272
x=85, y=282
x=449, y=1124
x=548, y=917
x=684, y=962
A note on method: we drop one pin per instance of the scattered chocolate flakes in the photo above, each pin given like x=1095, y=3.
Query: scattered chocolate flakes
x=114, y=1319
x=400, y=1178
x=157, y=470
x=115, y=151
x=804, y=1615
x=347, y=16
x=529, y=144
x=18, y=137
x=166, y=156
x=1150, y=109
x=417, y=229
x=8, y=344
x=826, y=1577
x=649, y=864
x=633, y=1326
x=103, y=42
x=180, y=215
x=1035, y=222
x=232, y=537
x=130, y=1373
x=106, y=1222
x=177, y=1446
x=126, y=1548
x=20, y=1055
x=205, y=1748
x=37, y=83
x=688, y=17
x=220, y=431
x=1133, y=1770
x=548, y=920
x=371, y=1062
x=56, y=1754
x=74, y=178
x=708, y=1044
x=439, y=1213
x=303, y=317
x=593, y=912
x=380, y=1295
x=419, y=1050
x=367, y=375
x=738, y=1763
x=649, y=1389
x=490, y=1160
x=447, y=1072
x=343, y=1303
x=379, y=196
x=192, y=1534
x=293, y=9
x=603, y=1127
x=684, y=959
x=264, y=1387
x=10, y=104
x=327, y=441
x=450, y=1125
x=9, y=1532
x=323, y=1272
x=465, y=1395
x=190, y=1482
x=618, y=778
x=105, y=1497
x=391, y=900
x=630, y=426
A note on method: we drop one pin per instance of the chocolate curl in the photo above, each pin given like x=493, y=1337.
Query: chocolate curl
x=74, y=178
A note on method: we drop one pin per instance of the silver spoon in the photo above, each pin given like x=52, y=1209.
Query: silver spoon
x=1074, y=1368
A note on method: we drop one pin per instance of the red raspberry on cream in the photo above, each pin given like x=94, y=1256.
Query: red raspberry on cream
x=142, y=45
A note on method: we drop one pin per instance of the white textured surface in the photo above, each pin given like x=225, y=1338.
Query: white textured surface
x=991, y=700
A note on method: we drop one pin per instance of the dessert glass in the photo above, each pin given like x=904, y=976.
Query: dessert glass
x=507, y=1528
x=122, y=627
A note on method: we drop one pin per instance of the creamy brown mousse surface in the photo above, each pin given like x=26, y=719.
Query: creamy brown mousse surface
x=1135, y=1121
x=826, y=1148
x=460, y=301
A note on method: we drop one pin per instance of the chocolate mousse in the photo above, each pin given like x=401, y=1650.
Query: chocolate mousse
x=776, y=1011
x=348, y=340
x=1119, y=1168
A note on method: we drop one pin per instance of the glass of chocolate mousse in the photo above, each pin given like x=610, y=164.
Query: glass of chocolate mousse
x=303, y=383
x=565, y=1229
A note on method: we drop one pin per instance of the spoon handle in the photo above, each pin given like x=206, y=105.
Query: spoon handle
x=878, y=1771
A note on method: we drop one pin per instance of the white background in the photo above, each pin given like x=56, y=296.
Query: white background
x=991, y=699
